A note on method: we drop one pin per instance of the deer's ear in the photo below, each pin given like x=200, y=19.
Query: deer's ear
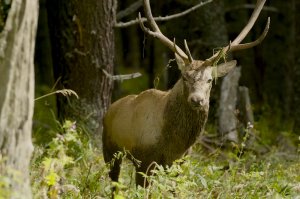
x=180, y=63
x=224, y=68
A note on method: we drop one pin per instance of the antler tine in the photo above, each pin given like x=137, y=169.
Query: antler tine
x=175, y=46
x=187, y=50
x=149, y=16
x=254, y=43
x=252, y=20
x=235, y=45
x=157, y=33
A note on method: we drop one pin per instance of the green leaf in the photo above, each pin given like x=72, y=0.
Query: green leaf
x=203, y=182
x=52, y=178
x=47, y=163
x=117, y=196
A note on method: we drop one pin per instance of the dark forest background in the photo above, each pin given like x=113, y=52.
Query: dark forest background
x=270, y=70
x=80, y=45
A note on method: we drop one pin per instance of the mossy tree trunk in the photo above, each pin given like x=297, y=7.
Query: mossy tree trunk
x=82, y=38
x=17, y=42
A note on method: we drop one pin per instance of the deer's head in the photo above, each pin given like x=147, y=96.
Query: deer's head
x=198, y=75
x=198, y=79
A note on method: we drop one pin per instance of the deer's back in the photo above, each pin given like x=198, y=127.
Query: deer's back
x=135, y=121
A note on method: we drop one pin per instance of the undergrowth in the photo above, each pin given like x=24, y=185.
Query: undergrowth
x=69, y=166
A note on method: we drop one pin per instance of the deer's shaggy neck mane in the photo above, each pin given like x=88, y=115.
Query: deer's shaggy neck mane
x=182, y=124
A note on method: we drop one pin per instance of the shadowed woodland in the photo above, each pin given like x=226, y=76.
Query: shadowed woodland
x=271, y=80
x=64, y=62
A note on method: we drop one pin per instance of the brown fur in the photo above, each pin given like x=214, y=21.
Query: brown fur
x=179, y=123
x=159, y=126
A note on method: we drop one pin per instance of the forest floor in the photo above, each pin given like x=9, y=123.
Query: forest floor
x=70, y=167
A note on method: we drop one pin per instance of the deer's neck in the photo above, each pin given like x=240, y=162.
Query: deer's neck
x=182, y=124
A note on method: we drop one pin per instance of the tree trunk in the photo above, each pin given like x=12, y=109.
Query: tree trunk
x=83, y=46
x=227, y=110
x=245, y=114
x=296, y=97
x=17, y=41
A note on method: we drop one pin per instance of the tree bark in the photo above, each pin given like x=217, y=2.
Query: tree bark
x=244, y=107
x=227, y=110
x=82, y=38
x=296, y=69
x=17, y=42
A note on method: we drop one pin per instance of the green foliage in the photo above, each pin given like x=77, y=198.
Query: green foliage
x=272, y=128
x=9, y=178
x=45, y=125
x=5, y=181
x=70, y=167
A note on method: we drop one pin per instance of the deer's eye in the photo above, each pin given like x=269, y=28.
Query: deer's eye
x=209, y=81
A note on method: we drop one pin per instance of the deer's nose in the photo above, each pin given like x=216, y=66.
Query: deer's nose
x=197, y=101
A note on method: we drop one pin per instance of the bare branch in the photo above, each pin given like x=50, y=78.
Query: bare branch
x=251, y=6
x=121, y=77
x=166, y=18
x=157, y=33
x=129, y=10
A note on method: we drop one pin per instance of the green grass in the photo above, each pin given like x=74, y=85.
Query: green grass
x=70, y=167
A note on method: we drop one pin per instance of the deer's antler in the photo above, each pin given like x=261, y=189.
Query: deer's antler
x=187, y=57
x=155, y=32
x=236, y=44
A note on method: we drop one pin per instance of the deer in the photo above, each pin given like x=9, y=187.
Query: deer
x=160, y=126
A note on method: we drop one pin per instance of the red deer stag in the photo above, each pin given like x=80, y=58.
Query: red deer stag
x=158, y=126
